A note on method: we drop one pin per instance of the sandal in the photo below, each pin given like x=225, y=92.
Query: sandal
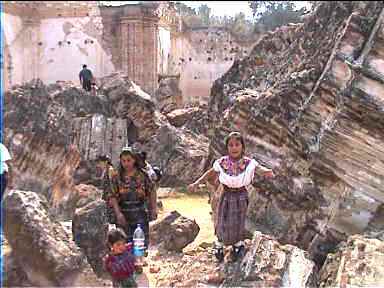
x=219, y=254
x=238, y=252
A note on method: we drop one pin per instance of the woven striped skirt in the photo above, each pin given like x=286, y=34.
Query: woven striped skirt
x=230, y=215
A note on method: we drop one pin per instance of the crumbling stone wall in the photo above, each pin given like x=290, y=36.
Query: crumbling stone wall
x=308, y=101
x=144, y=40
x=51, y=41
x=13, y=43
x=200, y=56
x=43, y=36
x=56, y=132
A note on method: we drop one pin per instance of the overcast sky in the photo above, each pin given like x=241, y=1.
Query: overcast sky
x=218, y=8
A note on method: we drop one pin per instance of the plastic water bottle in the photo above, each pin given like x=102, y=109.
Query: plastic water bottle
x=139, y=244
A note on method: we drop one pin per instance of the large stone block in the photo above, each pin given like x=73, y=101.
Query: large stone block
x=40, y=245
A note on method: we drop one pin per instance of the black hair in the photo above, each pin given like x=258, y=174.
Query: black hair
x=139, y=162
x=115, y=235
x=143, y=155
x=158, y=172
x=105, y=158
x=237, y=136
x=84, y=66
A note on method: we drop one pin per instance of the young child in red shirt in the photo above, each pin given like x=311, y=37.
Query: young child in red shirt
x=120, y=263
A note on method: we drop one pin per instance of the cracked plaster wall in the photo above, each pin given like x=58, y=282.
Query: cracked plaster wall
x=202, y=56
x=53, y=49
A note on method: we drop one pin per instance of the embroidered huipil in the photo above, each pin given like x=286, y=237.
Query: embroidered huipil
x=231, y=201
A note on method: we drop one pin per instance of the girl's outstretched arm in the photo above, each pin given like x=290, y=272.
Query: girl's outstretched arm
x=264, y=171
x=209, y=174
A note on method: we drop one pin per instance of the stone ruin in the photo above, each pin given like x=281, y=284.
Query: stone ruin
x=56, y=132
x=146, y=41
x=307, y=99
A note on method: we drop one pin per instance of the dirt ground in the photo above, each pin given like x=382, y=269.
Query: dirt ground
x=176, y=268
x=187, y=269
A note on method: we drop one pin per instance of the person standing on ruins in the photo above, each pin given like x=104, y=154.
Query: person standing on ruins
x=230, y=202
x=86, y=78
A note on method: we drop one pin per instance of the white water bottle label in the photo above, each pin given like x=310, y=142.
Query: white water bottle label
x=138, y=248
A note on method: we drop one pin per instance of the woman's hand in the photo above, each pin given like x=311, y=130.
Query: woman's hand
x=152, y=212
x=121, y=219
x=192, y=187
x=269, y=174
x=153, y=215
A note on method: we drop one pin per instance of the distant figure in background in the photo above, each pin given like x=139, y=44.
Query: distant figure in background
x=5, y=169
x=86, y=78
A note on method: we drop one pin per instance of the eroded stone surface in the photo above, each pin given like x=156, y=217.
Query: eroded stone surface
x=311, y=113
x=358, y=262
x=89, y=229
x=193, y=118
x=173, y=232
x=41, y=246
x=58, y=135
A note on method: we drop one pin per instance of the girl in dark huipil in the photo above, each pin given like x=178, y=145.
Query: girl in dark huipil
x=132, y=195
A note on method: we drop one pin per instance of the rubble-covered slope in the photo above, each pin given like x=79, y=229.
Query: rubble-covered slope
x=359, y=262
x=41, y=247
x=56, y=132
x=308, y=100
x=194, y=119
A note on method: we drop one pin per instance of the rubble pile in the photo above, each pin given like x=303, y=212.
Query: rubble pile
x=358, y=262
x=41, y=247
x=266, y=263
x=194, y=119
x=308, y=101
x=56, y=132
x=168, y=96
x=173, y=232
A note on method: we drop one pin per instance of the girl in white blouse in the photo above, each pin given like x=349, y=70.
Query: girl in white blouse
x=235, y=172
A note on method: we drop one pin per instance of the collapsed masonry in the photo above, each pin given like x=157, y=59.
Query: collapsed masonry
x=56, y=132
x=308, y=100
x=147, y=41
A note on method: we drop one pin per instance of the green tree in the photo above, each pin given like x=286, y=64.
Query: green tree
x=240, y=25
x=184, y=10
x=204, y=12
x=272, y=14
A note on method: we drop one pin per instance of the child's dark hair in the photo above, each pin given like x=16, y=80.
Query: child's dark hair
x=238, y=137
x=143, y=155
x=104, y=158
x=115, y=235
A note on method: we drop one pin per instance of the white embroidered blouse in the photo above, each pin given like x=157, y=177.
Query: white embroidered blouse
x=236, y=180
